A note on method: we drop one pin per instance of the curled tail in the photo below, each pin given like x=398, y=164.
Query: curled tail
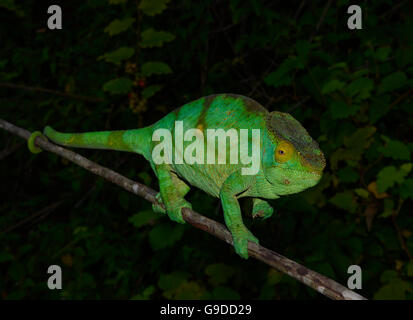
x=135, y=140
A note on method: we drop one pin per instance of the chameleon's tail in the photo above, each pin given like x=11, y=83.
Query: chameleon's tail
x=135, y=140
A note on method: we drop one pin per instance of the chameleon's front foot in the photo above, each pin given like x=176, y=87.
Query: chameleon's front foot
x=241, y=237
x=174, y=210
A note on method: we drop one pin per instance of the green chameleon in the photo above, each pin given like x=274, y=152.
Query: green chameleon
x=290, y=160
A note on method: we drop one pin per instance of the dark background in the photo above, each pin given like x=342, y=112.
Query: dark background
x=351, y=89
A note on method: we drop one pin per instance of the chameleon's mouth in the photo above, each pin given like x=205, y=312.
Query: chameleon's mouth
x=292, y=177
x=314, y=172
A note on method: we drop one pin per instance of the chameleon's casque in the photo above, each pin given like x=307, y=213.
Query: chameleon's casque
x=290, y=160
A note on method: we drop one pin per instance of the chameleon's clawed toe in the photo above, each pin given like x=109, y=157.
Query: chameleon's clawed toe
x=157, y=207
x=241, y=238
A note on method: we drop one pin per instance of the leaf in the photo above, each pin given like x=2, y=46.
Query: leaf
x=118, y=55
x=5, y=256
x=153, y=7
x=344, y=200
x=225, y=293
x=394, y=149
x=340, y=110
x=410, y=269
x=12, y=6
x=347, y=174
x=118, y=26
x=379, y=107
x=360, y=73
x=389, y=176
x=332, y=85
x=388, y=276
x=274, y=276
x=406, y=167
x=406, y=189
x=117, y=1
x=362, y=192
x=388, y=208
x=123, y=199
x=281, y=76
x=152, y=38
x=67, y=259
x=150, y=91
x=171, y=281
x=382, y=53
x=165, y=235
x=392, y=82
x=146, y=293
x=325, y=269
x=359, y=89
x=8, y=76
x=339, y=65
x=142, y=218
x=372, y=187
x=354, y=147
x=176, y=286
x=219, y=273
x=118, y=86
x=361, y=138
x=155, y=67
x=188, y=290
x=302, y=49
x=394, y=290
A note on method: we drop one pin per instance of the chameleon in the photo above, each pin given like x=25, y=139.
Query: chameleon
x=290, y=161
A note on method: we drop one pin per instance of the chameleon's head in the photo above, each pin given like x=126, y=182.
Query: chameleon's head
x=294, y=162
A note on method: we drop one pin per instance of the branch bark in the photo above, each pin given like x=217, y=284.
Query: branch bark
x=318, y=282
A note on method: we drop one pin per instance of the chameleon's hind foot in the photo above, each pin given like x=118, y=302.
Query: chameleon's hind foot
x=241, y=238
x=262, y=209
x=30, y=143
x=156, y=207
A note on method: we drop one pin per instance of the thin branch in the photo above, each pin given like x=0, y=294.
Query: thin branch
x=323, y=16
x=50, y=91
x=298, y=104
x=45, y=211
x=300, y=8
x=400, y=98
x=393, y=9
x=8, y=150
x=399, y=232
x=318, y=282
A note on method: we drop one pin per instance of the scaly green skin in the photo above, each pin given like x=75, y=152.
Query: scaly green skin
x=283, y=169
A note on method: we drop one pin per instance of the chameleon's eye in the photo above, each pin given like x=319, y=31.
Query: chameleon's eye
x=284, y=151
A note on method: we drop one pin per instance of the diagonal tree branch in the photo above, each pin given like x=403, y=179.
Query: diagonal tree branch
x=50, y=91
x=318, y=282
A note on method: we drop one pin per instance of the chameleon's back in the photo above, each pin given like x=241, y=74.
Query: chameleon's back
x=222, y=111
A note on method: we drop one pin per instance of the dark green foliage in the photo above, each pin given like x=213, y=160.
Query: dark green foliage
x=351, y=89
